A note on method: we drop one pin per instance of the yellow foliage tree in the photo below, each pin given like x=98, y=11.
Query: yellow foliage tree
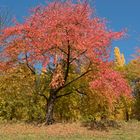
x=119, y=58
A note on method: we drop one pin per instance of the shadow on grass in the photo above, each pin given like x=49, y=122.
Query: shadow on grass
x=102, y=125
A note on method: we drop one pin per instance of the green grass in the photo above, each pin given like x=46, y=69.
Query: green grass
x=128, y=131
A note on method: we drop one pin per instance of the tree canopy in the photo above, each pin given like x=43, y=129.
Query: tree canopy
x=69, y=38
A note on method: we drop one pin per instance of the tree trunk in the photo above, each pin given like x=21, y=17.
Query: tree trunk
x=127, y=115
x=50, y=108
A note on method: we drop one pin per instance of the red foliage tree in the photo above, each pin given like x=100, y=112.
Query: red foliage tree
x=62, y=30
x=111, y=84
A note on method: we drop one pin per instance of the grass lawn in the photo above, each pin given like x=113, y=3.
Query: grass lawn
x=75, y=131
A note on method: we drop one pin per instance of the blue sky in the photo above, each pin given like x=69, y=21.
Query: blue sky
x=120, y=14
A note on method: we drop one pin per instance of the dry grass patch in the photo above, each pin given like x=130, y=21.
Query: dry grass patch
x=68, y=131
x=59, y=129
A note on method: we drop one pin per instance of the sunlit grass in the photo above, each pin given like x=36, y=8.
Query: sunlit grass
x=75, y=131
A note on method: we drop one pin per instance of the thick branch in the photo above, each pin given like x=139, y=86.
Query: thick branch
x=62, y=51
x=27, y=63
x=63, y=95
x=40, y=91
x=80, y=92
x=78, y=56
x=72, y=81
x=76, y=78
x=43, y=95
x=68, y=63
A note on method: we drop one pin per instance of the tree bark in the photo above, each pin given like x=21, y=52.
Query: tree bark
x=127, y=115
x=50, y=108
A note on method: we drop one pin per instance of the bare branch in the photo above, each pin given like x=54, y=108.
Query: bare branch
x=43, y=95
x=78, y=91
x=68, y=63
x=78, y=56
x=63, y=95
x=62, y=51
x=27, y=63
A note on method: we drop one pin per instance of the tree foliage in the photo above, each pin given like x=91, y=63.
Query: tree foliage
x=133, y=75
x=61, y=37
x=119, y=58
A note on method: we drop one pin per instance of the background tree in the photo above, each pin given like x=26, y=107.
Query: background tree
x=18, y=98
x=119, y=58
x=125, y=103
x=133, y=75
x=107, y=84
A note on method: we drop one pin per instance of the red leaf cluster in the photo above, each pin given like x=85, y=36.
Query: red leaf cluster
x=49, y=29
x=65, y=30
x=111, y=84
